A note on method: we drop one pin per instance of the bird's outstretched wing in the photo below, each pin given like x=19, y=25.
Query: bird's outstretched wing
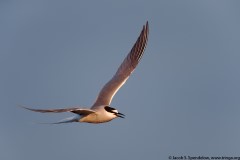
x=126, y=68
x=75, y=110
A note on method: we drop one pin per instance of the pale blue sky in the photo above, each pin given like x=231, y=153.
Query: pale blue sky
x=183, y=98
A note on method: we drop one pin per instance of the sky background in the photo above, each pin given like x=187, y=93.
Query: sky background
x=182, y=100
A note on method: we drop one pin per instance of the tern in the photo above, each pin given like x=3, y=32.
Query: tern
x=101, y=111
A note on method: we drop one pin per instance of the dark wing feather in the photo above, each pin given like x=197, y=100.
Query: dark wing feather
x=126, y=68
x=75, y=110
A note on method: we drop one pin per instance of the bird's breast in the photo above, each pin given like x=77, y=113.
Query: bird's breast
x=96, y=118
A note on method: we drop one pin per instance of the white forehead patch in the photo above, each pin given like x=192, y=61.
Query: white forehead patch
x=116, y=111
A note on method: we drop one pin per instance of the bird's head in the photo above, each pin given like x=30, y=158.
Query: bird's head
x=114, y=112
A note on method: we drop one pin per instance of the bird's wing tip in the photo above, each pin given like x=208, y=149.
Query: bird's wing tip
x=22, y=106
x=146, y=25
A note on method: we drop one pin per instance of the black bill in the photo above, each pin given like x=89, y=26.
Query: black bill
x=120, y=115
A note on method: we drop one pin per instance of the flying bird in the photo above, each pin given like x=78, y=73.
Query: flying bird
x=101, y=111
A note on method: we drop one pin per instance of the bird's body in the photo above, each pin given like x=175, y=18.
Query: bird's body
x=100, y=115
x=100, y=111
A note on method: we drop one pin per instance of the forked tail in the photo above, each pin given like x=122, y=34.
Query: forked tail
x=66, y=120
